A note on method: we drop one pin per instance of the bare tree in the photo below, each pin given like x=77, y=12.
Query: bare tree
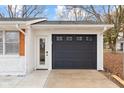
x=116, y=18
x=23, y=11
x=93, y=13
x=110, y=15
x=71, y=12
x=76, y=12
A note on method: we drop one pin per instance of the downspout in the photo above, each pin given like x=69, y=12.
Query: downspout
x=17, y=26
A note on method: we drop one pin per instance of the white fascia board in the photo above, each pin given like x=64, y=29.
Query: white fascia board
x=72, y=25
x=34, y=21
x=106, y=27
x=57, y=26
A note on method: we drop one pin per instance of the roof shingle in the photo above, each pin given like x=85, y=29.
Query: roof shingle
x=52, y=22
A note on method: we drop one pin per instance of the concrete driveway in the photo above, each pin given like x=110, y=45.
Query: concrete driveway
x=78, y=79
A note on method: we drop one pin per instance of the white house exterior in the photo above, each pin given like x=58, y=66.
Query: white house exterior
x=120, y=42
x=50, y=45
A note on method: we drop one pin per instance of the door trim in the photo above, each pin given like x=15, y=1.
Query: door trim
x=45, y=66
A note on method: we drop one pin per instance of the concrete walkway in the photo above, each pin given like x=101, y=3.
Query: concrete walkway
x=36, y=79
x=78, y=79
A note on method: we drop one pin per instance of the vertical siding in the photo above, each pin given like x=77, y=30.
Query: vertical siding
x=22, y=45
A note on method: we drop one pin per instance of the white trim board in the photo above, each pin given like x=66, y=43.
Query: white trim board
x=49, y=34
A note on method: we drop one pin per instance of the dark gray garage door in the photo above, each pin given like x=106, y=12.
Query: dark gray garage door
x=74, y=51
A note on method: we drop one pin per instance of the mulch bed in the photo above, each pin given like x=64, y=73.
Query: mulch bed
x=113, y=63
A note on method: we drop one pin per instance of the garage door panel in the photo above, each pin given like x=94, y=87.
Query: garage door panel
x=74, y=65
x=74, y=54
x=75, y=49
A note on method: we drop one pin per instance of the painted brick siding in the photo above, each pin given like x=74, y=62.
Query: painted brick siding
x=22, y=45
x=113, y=63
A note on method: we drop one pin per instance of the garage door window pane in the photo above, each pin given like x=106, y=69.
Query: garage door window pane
x=59, y=38
x=79, y=38
x=88, y=38
x=11, y=42
x=69, y=38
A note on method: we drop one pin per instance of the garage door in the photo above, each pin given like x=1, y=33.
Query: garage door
x=74, y=51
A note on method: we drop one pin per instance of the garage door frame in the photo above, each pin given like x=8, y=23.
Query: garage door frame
x=53, y=35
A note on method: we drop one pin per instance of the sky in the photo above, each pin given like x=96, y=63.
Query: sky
x=51, y=10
